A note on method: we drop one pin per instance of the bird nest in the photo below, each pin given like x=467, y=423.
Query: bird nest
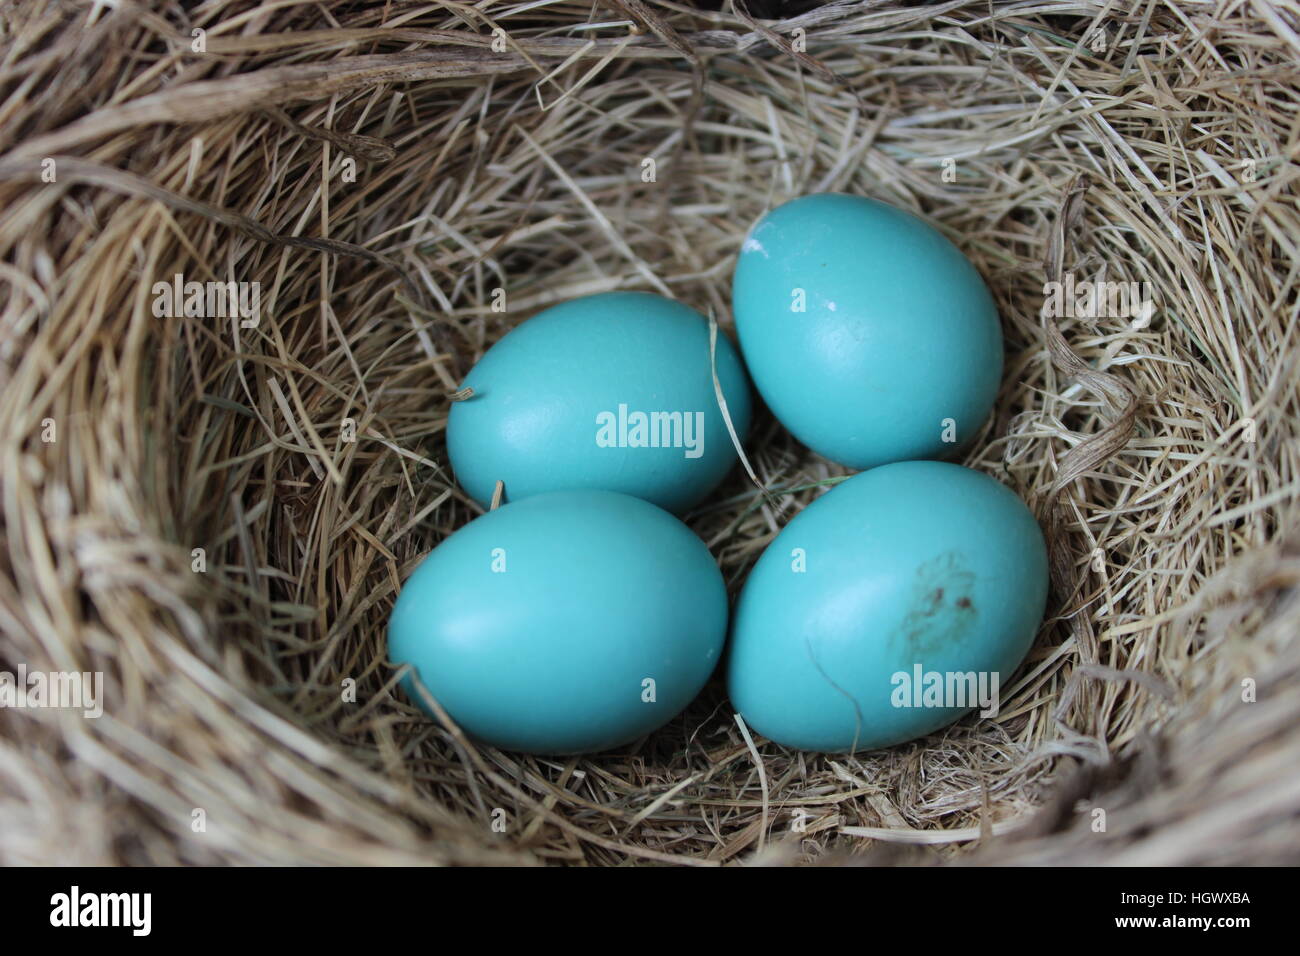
x=215, y=511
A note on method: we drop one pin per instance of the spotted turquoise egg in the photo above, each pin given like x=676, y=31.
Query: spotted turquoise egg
x=868, y=334
x=565, y=623
x=898, y=601
x=613, y=391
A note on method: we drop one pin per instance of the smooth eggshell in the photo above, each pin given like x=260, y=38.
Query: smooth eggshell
x=911, y=563
x=536, y=626
x=897, y=354
x=534, y=419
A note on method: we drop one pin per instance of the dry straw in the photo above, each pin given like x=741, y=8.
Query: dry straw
x=1151, y=141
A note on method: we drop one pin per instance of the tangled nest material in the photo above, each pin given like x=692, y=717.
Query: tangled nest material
x=381, y=169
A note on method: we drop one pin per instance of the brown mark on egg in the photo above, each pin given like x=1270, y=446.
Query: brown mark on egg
x=940, y=608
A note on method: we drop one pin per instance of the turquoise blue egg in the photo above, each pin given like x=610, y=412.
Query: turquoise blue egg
x=568, y=622
x=869, y=335
x=612, y=391
x=898, y=574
